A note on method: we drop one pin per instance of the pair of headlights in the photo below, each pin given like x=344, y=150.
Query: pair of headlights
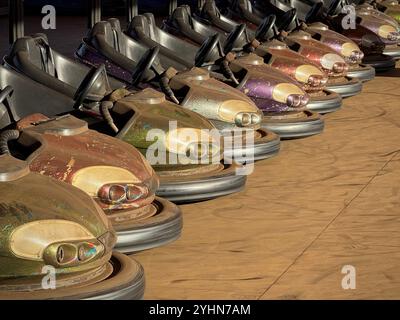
x=310, y=75
x=195, y=144
x=356, y=56
x=297, y=101
x=340, y=67
x=290, y=94
x=317, y=80
x=70, y=254
x=60, y=243
x=244, y=119
x=388, y=32
x=122, y=193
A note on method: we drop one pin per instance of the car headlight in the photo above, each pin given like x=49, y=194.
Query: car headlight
x=92, y=179
x=340, y=67
x=192, y=142
x=60, y=243
x=354, y=57
x=290, y=94
x=239, y=112
x=125, y=193
x=388, y=32
x=329, y=60
x=350, y=50
x=244, y=119
x=307, y=73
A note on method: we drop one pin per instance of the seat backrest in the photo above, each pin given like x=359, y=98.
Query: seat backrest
x=210, y=12
x=126, y=45
x=28, y=97
x=243, y=5
x=184, y=14
x=174, y=52
x=34, y=57
x=108, y=35
x=141, y=26
x=108, y=39
x=210, y=8
x=195, y=30
x=102, y=37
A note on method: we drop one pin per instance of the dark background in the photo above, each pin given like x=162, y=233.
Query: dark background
x=72, y=19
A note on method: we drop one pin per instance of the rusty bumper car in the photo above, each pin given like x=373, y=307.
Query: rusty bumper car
x=131, y=116
x=240, y=41
x=54, y=236
x=279, y=97
x=111, y=171
x=194, y=90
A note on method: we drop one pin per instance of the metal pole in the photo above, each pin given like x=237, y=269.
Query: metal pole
x=131, y=10
x=94, y=12
x=16, y=19
x=173, y=4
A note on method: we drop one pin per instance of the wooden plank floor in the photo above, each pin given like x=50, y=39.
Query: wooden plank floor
x=324, y=202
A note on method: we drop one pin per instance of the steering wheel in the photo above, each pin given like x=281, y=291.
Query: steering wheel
x=87, y=83
x=314, y=11
x=288, y=18
x=263, y=31
x=144, y=64
x=233, y=37
x=205, y=50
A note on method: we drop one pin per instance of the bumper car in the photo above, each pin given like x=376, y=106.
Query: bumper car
x=370, y=43
x=374, y=9
x=312, y=78
x=302, y=42
x=231, y=112
x=131, y=116
x=54, y=236
x=96, y=163
x=111, y=171
x=280, y=98
x=390, y=8
x=385, y=26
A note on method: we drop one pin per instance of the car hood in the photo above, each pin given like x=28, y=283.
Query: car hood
x=81, y=148
x=150, y=110
x=206, y=95
x=36, y=197
x=331, y=38
x=374, y=24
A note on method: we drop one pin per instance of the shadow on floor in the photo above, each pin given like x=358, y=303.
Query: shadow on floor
x=395, y=73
